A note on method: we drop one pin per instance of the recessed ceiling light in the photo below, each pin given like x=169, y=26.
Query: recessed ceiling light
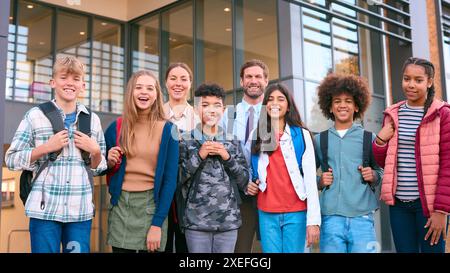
x=259, y=19
x=42, y=43
x=104, y=24
x=82, y=32
x=30, y=6
x=228, y=29
x=226, y=9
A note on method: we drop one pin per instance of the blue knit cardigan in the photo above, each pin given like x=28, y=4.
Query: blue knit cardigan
x=165, y=174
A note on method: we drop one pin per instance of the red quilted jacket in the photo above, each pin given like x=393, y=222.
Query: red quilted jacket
x=432, y=150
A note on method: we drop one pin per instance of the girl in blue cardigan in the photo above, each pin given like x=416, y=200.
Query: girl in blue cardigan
x=142, y=166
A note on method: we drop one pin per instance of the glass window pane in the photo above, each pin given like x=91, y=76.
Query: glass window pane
x=317, y=45
x=33, y=57
x=10, y=56
x=314, y=119
x=177, y=30
x=346, y=48
x=71, y=39
x=108, y=67
x=446, y=46
x=260, y=33
x=215, y=43
x=145, y=45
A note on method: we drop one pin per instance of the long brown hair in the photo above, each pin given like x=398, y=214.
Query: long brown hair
x=130, y=112
x=264, y=134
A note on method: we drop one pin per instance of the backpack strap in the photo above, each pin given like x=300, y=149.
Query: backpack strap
x=367, y=148
x=254, y=163
x=368, y=158
x=116, y=168
x=118, y=128
x=84, y=125
x=299, y=147
x=324, y=150
x=54, y=116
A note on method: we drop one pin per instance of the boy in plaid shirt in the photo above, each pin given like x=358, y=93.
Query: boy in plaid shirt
x=60, y=203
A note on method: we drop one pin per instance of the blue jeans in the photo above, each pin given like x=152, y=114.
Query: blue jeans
x=282, y=232
x=47, y=236
x=340, y=234
x=407, y=224
x=210, y=241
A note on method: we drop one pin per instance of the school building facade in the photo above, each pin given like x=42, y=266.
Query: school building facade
x=300, y=40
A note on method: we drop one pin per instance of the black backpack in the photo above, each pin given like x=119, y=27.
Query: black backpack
x=54, y=116
x=368, y=159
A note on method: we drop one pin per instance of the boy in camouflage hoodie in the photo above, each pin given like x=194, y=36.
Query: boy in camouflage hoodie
x=214, y=167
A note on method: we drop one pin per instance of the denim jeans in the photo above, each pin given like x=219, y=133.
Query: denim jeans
x=282, y=232
x=407, y=224
x=47, y=236
x=210, y=241
x=340, y=234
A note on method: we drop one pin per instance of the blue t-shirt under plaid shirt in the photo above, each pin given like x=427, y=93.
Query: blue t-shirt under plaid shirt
x=64, y=184
x=70, y=118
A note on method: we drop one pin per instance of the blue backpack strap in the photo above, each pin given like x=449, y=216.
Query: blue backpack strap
x=299, y=145
x=254, y=163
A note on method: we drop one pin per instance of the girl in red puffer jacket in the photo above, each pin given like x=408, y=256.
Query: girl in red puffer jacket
x=414, y=149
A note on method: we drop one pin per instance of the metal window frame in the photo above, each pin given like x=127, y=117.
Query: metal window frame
x=56, y=10
x=406, y=29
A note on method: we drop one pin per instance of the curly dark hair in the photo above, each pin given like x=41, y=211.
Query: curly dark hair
x=210, y=89
x=335, y=84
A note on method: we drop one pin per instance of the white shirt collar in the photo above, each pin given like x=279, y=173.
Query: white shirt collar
x=246, y=106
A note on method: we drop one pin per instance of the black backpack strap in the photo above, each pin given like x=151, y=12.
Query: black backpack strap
x=368, y=159
x=54, y=116
x=367, y=148
x=324, y=150
x=84, y=126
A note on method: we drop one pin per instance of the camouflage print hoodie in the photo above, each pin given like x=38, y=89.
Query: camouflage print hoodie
x=212, y=199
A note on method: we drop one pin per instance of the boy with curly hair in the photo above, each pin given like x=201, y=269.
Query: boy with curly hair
x=348, y=200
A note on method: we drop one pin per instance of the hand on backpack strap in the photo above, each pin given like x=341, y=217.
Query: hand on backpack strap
x=86, y=143
x=367, y=173
x=58, y=141
x=327, y=178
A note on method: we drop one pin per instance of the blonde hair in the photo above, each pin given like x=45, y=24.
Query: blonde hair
x=130, y=112
x=68, y=64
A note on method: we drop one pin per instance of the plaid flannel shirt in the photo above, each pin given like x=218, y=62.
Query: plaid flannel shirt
x=64, y=184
